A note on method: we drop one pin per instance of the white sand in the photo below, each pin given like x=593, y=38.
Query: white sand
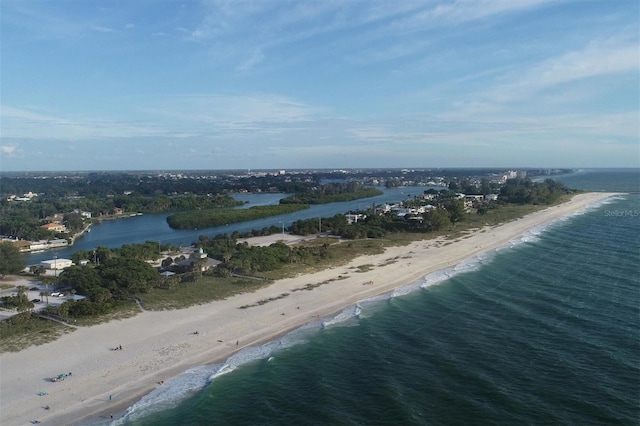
x=161, y=345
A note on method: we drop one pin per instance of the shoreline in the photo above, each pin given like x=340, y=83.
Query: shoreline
x=159, y=346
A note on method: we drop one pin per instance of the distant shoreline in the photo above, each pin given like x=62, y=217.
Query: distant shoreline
x=72, y=239
x=161, y=345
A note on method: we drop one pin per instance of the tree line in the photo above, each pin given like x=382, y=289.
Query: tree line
x=332, y=193
x=211, y=218
x=526, y=191
x=23, y=220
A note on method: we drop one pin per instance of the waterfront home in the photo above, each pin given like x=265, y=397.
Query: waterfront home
x=56, y=264
x=55, y=227
x=21, y=245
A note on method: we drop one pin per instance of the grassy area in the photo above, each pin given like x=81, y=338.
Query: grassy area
x=21, y=333
x=124, y=309
x=14, y=337
x=204, y=290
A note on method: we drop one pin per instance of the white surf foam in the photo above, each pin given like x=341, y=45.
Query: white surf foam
x=170, y=393
x=174, y=391
x=344, y=318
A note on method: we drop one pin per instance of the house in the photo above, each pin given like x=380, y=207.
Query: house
x=59, y=242
x=472, y=197
x=56, y=264
x=55, y=218
x=39, y=245
x=55, y=227
x=22, y=245
x=82, y=213
x=118, y=210
x=354, y=218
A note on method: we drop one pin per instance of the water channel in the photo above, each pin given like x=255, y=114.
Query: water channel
x=154, y=227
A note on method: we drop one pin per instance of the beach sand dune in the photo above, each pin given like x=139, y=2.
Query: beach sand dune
x=157, y=346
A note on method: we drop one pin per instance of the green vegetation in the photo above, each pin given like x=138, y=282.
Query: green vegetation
x=525, y=191
x=197, y=291
x=19, y=301
x=11, y=260
x=210, y=218
x=332, y=193
x=26, y=329
x=23, y=220
x=119, y=276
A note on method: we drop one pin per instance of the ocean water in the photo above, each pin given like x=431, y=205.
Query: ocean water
x=545, y=330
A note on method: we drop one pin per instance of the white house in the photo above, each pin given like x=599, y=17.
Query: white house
x=56, y=264
x=353, y=218
x=85, y=214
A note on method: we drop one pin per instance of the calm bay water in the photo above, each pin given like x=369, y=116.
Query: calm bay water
x=543, y=331
x=154, y=227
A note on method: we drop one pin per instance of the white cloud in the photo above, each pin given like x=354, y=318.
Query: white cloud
x=7, y=149
x=22, y=123
x=229, y=111
x=254, y=60
x=101, y=29
x=595, y=60
x=433, y=14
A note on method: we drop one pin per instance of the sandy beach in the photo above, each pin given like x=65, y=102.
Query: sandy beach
x=160, y=345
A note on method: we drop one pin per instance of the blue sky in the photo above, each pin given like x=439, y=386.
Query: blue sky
x=274, y=84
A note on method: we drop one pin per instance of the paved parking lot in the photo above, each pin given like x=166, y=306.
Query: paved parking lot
x=31, y=294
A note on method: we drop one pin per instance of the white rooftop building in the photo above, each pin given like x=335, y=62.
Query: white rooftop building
x=56, y=264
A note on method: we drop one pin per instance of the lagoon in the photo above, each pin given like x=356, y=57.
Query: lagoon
x=154, y=227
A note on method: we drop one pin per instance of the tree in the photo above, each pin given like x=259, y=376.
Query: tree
x=20, y=301
x=82, y=279
x=435, y=219
x=80, y=255
x=455, y=209
x=128, y=275
x=11, y=260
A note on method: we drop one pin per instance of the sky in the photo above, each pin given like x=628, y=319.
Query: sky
x=278, y=84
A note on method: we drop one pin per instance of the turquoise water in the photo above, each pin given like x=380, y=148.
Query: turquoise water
x=542, y=331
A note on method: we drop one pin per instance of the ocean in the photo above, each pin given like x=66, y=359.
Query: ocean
x=545, y=330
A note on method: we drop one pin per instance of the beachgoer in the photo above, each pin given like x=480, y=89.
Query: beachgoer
x=120, y=347
x=111, y=415
x=237, y=342
x=110, y=396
